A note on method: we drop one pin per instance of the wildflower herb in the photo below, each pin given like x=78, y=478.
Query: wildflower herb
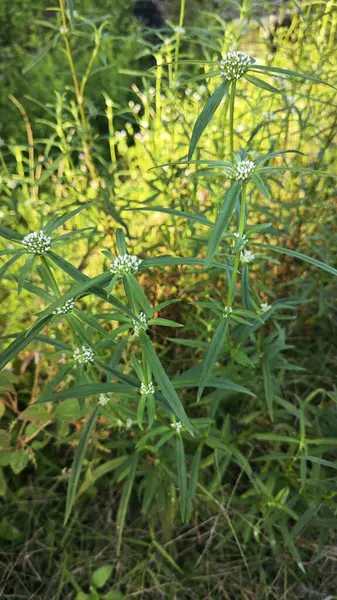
x=126, y=263
x=235, y=64
x=37, y=242
x=84, y=355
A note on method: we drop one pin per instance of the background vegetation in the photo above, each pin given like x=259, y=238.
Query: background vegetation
x=261, y=521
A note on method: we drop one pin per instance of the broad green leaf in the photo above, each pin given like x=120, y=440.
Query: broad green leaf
x=19, y=460
x=182, y=482
x=223, y=219
x=214, y=350
x=124, y=501
x=164, y=382
x=68, y=410
x=78, y=461
x=101, y=575
x=207, y=114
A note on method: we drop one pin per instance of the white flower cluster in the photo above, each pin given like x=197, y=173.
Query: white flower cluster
x=247, y=256
x=142, y=326
x=242, y=239
x=264, y=307
x=103, y=399
x=235, y=64
x=84, y=355
x=127, y=424
x=65, y=308
x=177, y=426
x=243, y=170
x=37, y=242
x=227, y=311
x=146, y=390
x=126, y=263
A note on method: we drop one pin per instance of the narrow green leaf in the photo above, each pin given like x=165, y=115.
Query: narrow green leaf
x=84, y=389
x=11, y=261
x=291, y=73
x=120, y=241
x=268, y=387
x=194, y=478
x=124, y=501
x=21, y=341
x=207, y=114
x=9, y=234
x=299, y=255
x=25, y=270
x=182, y=482
x=214, y=350
x=163, y=381
x=223, y=219
x=78, y=462
x=55, y=223
x=262, y=84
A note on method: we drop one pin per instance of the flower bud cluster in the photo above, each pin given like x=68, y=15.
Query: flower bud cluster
x=235, y=64
x=104, y=399
x=247, y=256
x=84, y=355
x=146, y=390
x=65, y=308
x=243, y=170
x=126, y=263
x=177, y=426
x=142, y=326
x=37, y=242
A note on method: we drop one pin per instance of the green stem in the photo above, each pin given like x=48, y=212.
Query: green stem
x=231, y=118
x=231, y=291
x=176, y=54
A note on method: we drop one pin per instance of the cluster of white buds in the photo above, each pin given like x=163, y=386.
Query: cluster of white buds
x=65, y=308
x=235, y=64
x=126, y=263
x=142, y=326
x=64, y=30
x=227, y=311
x=37, y=242
x=242, y=239
x=177, y=426
x=146, y=390
x=84, y=355
x=243, y=170
x=103, y=399
x=247, y=256
x=127, y=424
x=264, y=307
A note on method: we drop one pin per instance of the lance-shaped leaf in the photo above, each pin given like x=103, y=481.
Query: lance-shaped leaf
x=259, y=68
x=300, y=256
x=212, y=354
x=206, y=115
x=182, y=482
x=223, y=219
x=21, y=341
x=164, y=382
x=58, y=221
x=78, y=461
x=124, y=501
